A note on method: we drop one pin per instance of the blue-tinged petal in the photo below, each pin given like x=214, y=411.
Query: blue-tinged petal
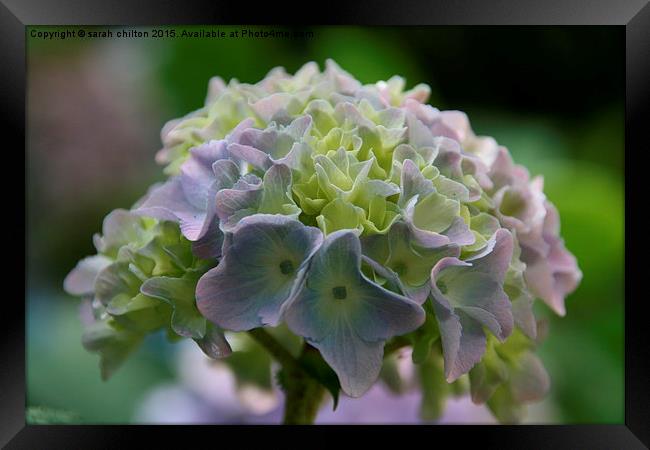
x=265, y=258
x=347, y=316
x=243, y=196
x=209, y=245
x=357, y=362
x=272, y=196
x=276, y=141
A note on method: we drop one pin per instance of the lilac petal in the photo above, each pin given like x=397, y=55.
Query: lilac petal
x=344, y=82
x=81, y=280
x=189, y=199
x=471, y=348
x=521, y=207
x=273, y=140
x=196, y=172
x=216, y=87
x=553, y=277
x=251, y=155
x=496, y=263
x=263, y=262
x=458, y=122
x=347, y=316
x=504, y=172
x=419, y=93
x=235, y=134
x=391, y=279
x=463, y=341
x=267, y=107
x=209, y=245
x=485, y=301
x=459, y=233
x=473, y=297
x=419, y=135
x=242, y=196
x=522, y=313
x=475, y=166
x=168, y=202
x=275, y=145
x=449, y=157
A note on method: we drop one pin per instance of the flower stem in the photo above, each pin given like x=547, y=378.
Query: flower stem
x=303, y=393
x=275, y=349
x=396, y=344
x=303, y=398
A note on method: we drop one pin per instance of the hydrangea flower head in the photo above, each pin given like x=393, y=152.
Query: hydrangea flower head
x=349, y=213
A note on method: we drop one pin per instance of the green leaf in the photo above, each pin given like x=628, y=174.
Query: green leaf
x=40, y=415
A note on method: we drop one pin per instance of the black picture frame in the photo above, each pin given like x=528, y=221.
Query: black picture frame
x=633, y=15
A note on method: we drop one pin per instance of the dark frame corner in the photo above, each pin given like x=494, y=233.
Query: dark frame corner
x=633, y=15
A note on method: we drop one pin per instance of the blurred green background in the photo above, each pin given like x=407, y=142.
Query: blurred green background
x=552, y=95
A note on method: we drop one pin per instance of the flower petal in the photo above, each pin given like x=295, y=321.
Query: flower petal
x=179, y=293
x=81, y=280
x=264, y=260
x=345, y=315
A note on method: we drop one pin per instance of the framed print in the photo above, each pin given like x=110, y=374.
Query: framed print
x=406, y=217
